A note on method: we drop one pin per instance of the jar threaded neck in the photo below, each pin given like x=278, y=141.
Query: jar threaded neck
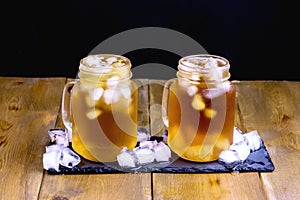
x=204, y=67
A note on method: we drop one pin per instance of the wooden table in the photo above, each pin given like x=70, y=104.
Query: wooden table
x=31, y=106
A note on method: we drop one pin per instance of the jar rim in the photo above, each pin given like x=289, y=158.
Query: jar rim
x=100, y=66
x=208, y=67
x=223, y=63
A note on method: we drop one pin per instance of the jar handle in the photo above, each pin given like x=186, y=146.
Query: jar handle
x=66, y=111
x=165, y=99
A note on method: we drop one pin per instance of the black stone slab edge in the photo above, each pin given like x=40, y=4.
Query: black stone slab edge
x=257, y=161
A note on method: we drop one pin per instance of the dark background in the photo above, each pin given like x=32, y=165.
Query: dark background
x=48, y=38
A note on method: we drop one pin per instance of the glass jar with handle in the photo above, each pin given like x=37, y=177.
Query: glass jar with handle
x=101, y=109
x=199, y=108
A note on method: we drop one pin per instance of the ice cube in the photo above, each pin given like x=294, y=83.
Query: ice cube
x=215, y=75
x=253, y=140
x=143, y=134
x=112, y=81
x=93, y=113
x=213, y=93
x=118, y=64
x=126, y=158
x=51, y=160
x=54, y=147
x=54, y=132
x=238, y=135
x=228, y=156
x=96, y=93
x=59, y=136
x=242, y=149
x=147, y=144
x=62, y=140
x=111, y=96
x=69, y=158
x=211, y=63
x=210, y=113
x=191, y=90
x=198, y=103
x=111, y=59
x=162, y=152
x=189, y=63
x=144, y=155
x=92, y=60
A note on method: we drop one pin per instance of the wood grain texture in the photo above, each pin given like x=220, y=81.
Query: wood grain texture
x=97, y=186
x=103, y=186
x=155, y=93
x=208, y=186
x=29, y=107
x=143, y=103
x=200, y=186
x=272, y=108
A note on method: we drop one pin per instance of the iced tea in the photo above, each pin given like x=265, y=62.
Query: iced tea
x=200, y=116
x=104, y=110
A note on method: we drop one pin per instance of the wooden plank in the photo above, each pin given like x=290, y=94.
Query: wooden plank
x=59, y=122
x=143, y=103
x=208, y=186
x=244, y=186
x=155, y=94
x=103, y=186
x=28, y=108
x=97, y=186
x=272, y=108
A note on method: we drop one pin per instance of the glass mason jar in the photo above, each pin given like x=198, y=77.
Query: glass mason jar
x=199, y=108
x=104, y=104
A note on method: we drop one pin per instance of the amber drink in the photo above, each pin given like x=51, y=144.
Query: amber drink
x=200, y=108
x=104, y=108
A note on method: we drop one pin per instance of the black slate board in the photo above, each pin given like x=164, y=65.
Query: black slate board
x=257, y=161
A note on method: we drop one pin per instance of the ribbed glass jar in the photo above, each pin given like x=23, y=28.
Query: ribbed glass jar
x=200, y=108
x=104, y=105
